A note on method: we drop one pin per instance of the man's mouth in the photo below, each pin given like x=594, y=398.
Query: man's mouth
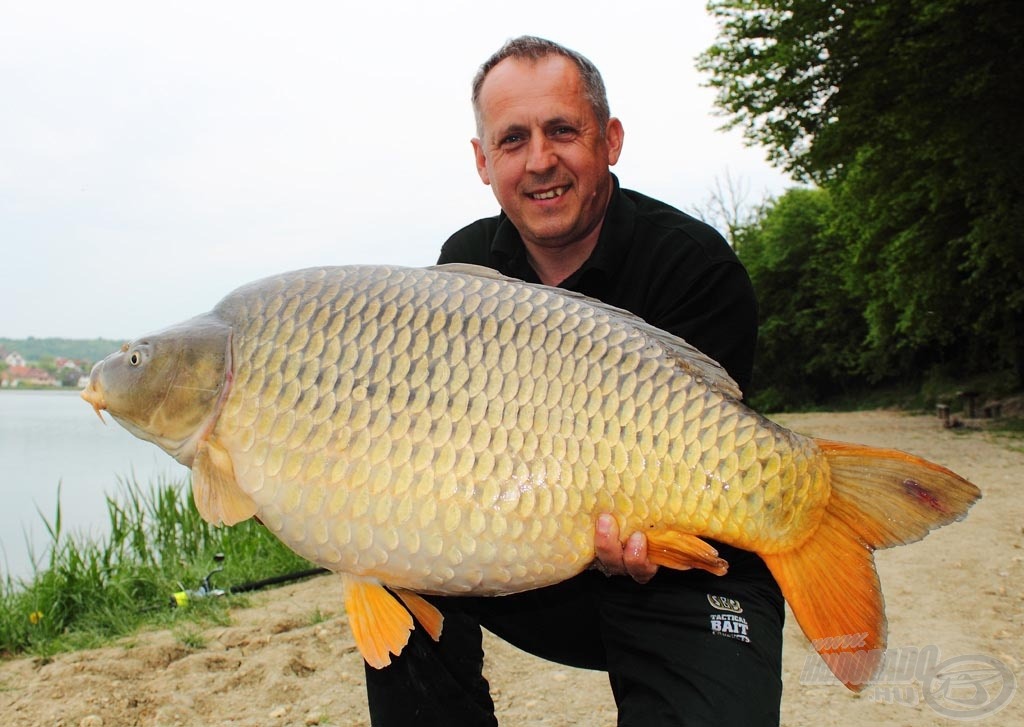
x=549, y=194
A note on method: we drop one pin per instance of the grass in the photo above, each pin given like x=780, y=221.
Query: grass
x=1010, y=430
x=94, y=590
x=190, y=636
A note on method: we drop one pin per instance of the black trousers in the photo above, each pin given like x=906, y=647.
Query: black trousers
x=687, y=648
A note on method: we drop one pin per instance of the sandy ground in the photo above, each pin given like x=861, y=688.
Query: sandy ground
x=954, y=600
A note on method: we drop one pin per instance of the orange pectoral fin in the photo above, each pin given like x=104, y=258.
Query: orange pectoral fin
x=379, y=623
x=423, y=611
x=215, y=490
x=682, y=552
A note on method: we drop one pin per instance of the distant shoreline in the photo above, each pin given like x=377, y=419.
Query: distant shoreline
x=55, y=389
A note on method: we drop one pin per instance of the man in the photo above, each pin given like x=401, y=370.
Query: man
x=679, y=647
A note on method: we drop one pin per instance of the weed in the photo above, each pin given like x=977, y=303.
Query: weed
x=94, y=590
x=190, y=637
x=317, y=617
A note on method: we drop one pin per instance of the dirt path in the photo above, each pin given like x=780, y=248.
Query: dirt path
x=955, y=599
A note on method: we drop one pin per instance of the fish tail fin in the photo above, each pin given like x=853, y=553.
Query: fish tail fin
x=879, y=498
x=891, y=497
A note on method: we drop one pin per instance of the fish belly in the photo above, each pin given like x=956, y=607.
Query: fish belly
x=460, y=434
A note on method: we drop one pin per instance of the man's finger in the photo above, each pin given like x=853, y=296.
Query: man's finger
x=635, y=559
x=607, y=548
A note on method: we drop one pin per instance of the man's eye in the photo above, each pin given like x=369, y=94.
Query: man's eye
x=511, y=139
x=563, y=131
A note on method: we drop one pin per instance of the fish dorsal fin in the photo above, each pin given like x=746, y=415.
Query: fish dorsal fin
x=379, y=623
x=687, y=355
x=692, y=359
x=215, y=490
x=479, y=271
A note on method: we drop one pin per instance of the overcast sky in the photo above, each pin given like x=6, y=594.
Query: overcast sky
x=153, y=157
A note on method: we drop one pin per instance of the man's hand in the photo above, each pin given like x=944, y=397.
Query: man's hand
x=614, y=558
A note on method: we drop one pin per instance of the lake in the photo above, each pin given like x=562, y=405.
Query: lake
x=50, y=439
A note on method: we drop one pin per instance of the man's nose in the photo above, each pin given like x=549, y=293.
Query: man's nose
x=541, y=154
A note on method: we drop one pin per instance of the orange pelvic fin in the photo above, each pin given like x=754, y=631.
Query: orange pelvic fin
x=879, y=498
x=215, y=490
x=682, y=551
x=423, y=611
x=379, y=623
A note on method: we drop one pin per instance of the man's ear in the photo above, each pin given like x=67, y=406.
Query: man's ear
x=481, y=161
x=613, y=136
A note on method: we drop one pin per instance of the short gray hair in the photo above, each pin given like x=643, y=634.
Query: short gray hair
x=529, y=47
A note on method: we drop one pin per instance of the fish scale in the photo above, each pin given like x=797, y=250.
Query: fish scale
x=433, y=433
x=452, y=431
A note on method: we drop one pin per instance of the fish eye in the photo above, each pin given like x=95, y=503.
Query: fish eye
x=135, y=358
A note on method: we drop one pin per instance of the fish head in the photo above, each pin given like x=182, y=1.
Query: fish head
x=167, y=387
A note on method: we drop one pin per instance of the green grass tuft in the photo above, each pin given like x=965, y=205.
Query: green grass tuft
x=95, y=590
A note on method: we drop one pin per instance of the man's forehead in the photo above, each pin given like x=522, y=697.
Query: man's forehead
x=548, y=88
x=520, y=76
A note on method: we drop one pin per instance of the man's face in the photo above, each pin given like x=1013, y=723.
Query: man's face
x=543, y=152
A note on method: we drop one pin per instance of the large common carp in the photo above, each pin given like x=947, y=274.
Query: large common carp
x=451, y=431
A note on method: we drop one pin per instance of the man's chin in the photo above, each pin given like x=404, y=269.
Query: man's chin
x=549, y=233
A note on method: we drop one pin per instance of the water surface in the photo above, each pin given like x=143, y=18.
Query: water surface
x=50, y=439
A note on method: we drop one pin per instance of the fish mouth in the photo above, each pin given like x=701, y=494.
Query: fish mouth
x=94, y=395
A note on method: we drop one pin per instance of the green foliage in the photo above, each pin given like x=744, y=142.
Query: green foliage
x=812, y=328
x=94, y=590
x=906, y=113
x=773, y=76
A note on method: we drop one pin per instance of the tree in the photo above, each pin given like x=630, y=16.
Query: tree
x=69, y=376
x=727, y=208
x=812, y=328
x=905, y=111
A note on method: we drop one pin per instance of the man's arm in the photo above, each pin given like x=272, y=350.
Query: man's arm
x=717, y=314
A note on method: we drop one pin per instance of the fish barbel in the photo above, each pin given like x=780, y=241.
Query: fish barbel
x=448, y=430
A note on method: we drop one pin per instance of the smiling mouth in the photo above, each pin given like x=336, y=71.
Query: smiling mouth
x=549, y=194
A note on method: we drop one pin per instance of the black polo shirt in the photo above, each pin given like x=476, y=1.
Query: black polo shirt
x=671, y=269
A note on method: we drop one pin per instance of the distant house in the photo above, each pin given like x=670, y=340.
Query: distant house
x=15, y=359
x=16, y=376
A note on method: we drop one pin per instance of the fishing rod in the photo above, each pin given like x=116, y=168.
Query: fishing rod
x=185, y=596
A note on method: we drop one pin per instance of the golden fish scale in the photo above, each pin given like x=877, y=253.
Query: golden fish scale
x=443, y=437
